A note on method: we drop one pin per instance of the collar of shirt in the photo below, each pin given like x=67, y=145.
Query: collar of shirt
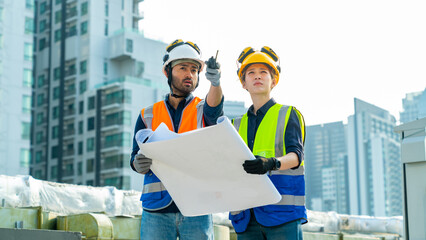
x=187, y=100
x=176, y=114
x=261, y=111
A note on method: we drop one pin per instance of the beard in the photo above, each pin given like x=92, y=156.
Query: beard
x=180, y=88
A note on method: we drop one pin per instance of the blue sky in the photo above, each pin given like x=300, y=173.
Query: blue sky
x=331, y=50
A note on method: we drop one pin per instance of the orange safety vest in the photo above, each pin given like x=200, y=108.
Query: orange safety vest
x=191, y=119
x=154, y=194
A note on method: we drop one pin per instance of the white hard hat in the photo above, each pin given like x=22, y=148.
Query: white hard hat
x=182, y=50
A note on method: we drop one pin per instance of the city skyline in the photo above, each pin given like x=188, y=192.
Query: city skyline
x=77, y=71
x=331, y=51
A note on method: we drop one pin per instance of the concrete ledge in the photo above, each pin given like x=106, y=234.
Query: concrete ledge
x=37, y=234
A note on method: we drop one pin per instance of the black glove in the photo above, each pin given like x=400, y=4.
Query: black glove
x=260, y=165
x=142, y=163
x=213, y=71
x=212, y=63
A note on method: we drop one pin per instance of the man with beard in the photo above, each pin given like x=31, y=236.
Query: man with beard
x=181, y=112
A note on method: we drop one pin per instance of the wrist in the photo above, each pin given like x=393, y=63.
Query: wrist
x=277, y=164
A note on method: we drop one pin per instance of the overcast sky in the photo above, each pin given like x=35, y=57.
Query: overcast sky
x=331, y=50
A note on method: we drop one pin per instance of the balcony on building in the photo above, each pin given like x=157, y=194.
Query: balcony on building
x=138, y=15
x=121, y=43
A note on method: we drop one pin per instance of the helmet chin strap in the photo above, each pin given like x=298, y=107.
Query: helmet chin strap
x=177, y=96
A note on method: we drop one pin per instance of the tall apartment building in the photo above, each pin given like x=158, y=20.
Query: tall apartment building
x=233, y=109
x=94, y=72
x=16, y=79
x=325, y=164
x=375, y=183
x=414, y=105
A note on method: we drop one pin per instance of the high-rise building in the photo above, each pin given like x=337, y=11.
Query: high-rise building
x=375, y=185
x=414, y=105
x=94, y=73
x=325, y=161
x=16, y=79
x=233, y=109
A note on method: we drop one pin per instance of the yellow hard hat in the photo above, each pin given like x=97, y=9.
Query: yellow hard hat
x=266, y=56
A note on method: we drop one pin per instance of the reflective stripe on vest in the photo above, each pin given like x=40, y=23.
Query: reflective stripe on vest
x=270, y=143
x=153, y=116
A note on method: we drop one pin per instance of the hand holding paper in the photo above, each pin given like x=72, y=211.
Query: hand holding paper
x=202, y=169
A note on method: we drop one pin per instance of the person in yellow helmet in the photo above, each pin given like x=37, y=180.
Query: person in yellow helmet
x=275, y=134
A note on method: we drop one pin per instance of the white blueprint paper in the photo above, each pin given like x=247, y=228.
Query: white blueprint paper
x=202, y=169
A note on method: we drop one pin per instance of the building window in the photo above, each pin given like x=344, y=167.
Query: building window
x=81, y=107
x=55, y=112
x=106, y=7
x=72, y=30
x=80, y=168
x=55, y=132
x=54, y=151
x=72, y=11
x=80, y=127
x=28, y=78
x=38, y=156
x=90, y=144
x=42, y=8
x=40, y=99
x=42, y=26
x=83, y=67
x=26, y=104
x=28, y=51
x=90, y=123
x=54, y=172
x=127, y=96
x=84, y=8
x=91, y=104
x=55, y=93
x=56, y=73
x=106, y=28
x=89, y=165
x=38, y=174
x=83, y=27
x=24, y=158
x=29, y=4
x=80, y=148
x=70, y=69
x=129, y=45
x=83, y=86
x=114, y=181
x=58, y=35
x=117, y=140
x=26, y=128
x=127, y=118
x=58, y=16
x=41, y=44
x=69, y=169
x=40, y=118
x=39, y=137
x=105, y=68
x=29, y=25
